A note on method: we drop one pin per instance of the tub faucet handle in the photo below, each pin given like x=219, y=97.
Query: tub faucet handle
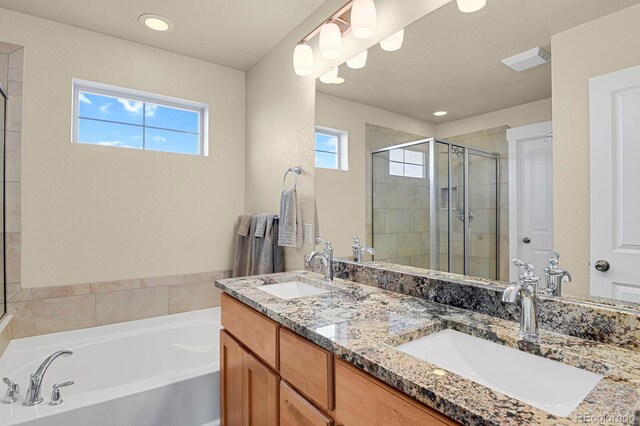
x=13, y=390
x=56, y=396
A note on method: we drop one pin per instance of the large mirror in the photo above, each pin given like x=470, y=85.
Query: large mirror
x=439, y=155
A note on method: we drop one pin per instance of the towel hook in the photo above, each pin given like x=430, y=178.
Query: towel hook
x=297, y=171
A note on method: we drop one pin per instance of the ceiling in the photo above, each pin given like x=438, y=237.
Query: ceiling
x=451, y=60
x=232, y=33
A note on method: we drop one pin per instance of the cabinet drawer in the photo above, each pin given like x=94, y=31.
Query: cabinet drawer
x=297, y=411
x=308, y=368
x=254, y=330
x=364, y=400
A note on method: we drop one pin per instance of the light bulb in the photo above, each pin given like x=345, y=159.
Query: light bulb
x=330, y=41
x=330, y=76
x=469, y=6
x=358, y=61
x=363, y=18
x=303, y=60
x=393, y=42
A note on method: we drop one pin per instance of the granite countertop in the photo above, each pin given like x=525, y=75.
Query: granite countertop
x=361, y=324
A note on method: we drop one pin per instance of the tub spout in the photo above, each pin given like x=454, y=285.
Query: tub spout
x=35, y=380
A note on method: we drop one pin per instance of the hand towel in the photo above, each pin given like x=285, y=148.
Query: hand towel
x=244, y=221
x=261, y=224
x=290, y=234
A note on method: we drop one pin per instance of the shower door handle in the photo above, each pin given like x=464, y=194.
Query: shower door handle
x=526, y=240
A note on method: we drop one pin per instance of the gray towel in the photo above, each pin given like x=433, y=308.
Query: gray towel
x=244, y=249
x=290, y=234
x=266, y=256
x=261, y=224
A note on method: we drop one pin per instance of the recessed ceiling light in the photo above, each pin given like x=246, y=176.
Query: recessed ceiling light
x=339, y=80
x=155, y=22
x=440, y=113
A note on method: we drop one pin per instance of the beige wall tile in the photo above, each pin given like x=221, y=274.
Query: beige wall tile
x=44, y=316
x=386, y=246
x=397, y=221
x=409, y=244
x=193, y=296
x=108, y=286
x=5, y=334
x=4, y=67
x=13, y=156
x=203, y=276
x=16, y=65
x=13, y=240
x=163, y=281
x=120, y=306
x=59, y=291
x=15, y=293
x=14, y=107
x=419, y=220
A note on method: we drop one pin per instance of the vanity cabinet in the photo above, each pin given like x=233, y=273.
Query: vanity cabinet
x=271, y=376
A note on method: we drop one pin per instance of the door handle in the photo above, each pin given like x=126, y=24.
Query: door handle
x=526, y=240
x=602, y=266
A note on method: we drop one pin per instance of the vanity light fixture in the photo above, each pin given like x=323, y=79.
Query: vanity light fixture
x=440, y=113
x=358, y=61
x=303, y=59
x=155, y=22
x=393, y=42
x=330, y=40
x=363, y=19
x=330, y=76
x=470, y=6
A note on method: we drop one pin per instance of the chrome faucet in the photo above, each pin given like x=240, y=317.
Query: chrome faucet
x=358, y=250
x=527, y=289
x=13, y=390
x=555, y=276
x=35, y=380
x=326, y=258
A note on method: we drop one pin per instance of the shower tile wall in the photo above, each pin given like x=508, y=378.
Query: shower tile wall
x=482, y=201
x=11, y=66
x=400, y=205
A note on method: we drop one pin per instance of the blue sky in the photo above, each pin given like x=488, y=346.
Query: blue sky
x=165, y=127
x=326, y=143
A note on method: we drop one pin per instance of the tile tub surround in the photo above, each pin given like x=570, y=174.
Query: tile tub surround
x=5, y=333
x=616, y=324
x=361, y=323
x=45, y=310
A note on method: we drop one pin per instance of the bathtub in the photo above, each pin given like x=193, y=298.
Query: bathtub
x=161, y=371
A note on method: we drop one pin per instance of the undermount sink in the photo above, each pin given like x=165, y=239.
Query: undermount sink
x=545, y=384
x=292, y=290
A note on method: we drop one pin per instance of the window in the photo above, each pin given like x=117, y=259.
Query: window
x=331, y=149
x=112, y=116
x=407, y=163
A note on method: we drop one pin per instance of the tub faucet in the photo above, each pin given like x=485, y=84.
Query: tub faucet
x=326, y=258
x=555, y=276
x=13, y=390
x=527, y=289
x=35, y=380
x=358, y=250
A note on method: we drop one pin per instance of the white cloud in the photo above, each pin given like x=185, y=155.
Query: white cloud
x=83, y=98
x=104, y=108
x=159, y=139
x=150, y=110
x=116, y=143
x=133, y=107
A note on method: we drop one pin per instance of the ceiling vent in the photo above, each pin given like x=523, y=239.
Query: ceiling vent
x=529, y=59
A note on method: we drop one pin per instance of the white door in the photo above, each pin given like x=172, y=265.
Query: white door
x=530, y=195
x=615, y=185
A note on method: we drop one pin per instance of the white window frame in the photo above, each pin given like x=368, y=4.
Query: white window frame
x=343, y=146
x=202, y=109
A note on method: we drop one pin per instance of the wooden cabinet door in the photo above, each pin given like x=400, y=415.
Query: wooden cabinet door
x=297, y=411
x=260, y=393
x=230, y=380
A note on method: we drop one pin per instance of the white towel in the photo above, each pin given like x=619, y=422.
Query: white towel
x=290, y=234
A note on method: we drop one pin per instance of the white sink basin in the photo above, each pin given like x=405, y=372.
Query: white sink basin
x=292, y=290
x=548, y=385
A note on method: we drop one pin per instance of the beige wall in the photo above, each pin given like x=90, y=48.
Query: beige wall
x=280, y=109
x=533, y=112
x=599, y=47
x=341, y=194
x=95, y=213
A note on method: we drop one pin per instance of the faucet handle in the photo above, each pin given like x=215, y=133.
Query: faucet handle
x=13, y=390
x=356, y=241
x=327, y=244
x=56, y=396
x=527, y=267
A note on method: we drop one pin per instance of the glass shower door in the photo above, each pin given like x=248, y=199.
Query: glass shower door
x=3, y=276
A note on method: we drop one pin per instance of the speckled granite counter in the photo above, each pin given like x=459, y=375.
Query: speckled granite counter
x=361, y=324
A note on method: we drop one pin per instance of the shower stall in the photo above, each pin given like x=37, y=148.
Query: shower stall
x=435, y=205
